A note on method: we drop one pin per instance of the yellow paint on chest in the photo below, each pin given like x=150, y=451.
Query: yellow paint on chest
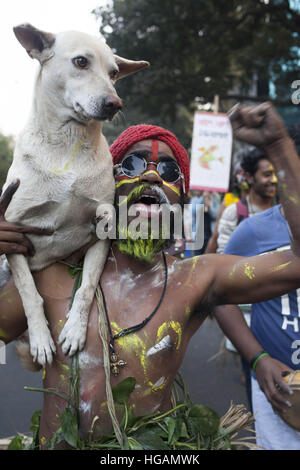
x=131, y=343
x=159, y=384
x=175, y=326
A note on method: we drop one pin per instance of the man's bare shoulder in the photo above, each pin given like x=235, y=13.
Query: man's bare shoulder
x=195, y=275
x=204, y=260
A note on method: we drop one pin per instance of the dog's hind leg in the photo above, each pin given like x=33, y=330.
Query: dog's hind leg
x=73, y=335
x=41, y=343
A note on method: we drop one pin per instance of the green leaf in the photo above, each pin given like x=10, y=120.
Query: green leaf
x=74, y=270
x=183, y=429
x=16, y=443
x=222, y=439
x=122, y=391
x=125, y=442
x=150, y=440
x=179, y=432
x=55, y=439
x=204, y=419
x=69, y=426
x=35, y=428
x=134, y=444
x=131, y=418
x=35, y=419
x=171, y=423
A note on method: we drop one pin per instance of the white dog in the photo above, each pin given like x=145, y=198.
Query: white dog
x=65, y=170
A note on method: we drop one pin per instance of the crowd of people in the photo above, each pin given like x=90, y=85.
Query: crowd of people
x=270, y=326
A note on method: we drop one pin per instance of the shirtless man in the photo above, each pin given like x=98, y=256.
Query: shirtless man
x=133, y=286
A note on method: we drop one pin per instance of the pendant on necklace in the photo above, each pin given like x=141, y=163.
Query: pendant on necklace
x=116, y=363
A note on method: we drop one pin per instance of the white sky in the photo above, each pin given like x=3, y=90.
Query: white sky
x=18, y=70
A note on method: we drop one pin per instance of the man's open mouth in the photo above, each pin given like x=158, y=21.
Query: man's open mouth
x=148, y=199
x=148, y=203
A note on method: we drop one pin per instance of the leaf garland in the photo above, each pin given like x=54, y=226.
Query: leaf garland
x=186, y=426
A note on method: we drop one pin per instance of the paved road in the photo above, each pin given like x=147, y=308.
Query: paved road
x=214, y=383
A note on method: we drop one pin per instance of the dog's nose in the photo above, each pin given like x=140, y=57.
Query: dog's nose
x=111, y=105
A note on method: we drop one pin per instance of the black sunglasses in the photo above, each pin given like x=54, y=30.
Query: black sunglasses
x=134, y=165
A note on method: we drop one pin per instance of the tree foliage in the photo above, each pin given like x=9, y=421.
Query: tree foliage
x=199, y=49
x=6, y=155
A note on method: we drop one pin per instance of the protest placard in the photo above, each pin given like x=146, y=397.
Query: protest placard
x=211, y=152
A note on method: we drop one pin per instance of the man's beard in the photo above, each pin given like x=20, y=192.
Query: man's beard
x=142, y=249
x=146, y=247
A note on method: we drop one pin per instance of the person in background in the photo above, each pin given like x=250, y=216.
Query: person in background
x=262, y=181
x=238, y=189
x=209, y=203
x=274, y=334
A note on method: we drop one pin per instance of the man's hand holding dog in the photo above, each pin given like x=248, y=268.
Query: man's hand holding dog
x=13, y=238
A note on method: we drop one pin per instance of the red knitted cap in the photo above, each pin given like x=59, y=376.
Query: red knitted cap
x=146, y=131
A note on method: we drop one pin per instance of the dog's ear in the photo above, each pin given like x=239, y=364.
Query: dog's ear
x=126, y=67
x=37, y=43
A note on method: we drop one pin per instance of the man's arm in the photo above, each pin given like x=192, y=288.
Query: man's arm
x=13, y=240
x=248, y=280
x=262, y=127
x=268, y=370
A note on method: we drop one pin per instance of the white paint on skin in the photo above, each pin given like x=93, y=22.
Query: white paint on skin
x=128, y=278
x=160, y=278
x=155, y=408
x=165, y=343
x=158, y=281
x=87, y=361
x=159, y=382
x=85, y=406
x=171, y=268
x=163, y=198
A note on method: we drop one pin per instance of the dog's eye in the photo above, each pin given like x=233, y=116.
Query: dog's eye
x=80, y=62
x=113, y=74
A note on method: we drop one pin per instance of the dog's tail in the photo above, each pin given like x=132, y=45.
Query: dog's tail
x=23, y=351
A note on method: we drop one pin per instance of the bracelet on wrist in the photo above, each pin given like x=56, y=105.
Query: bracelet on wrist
x=255, y=359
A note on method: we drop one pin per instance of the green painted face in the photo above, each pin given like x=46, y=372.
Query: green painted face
x=142, y=248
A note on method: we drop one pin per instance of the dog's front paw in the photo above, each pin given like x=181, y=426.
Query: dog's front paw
x=72, y=338
x=42, y=346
